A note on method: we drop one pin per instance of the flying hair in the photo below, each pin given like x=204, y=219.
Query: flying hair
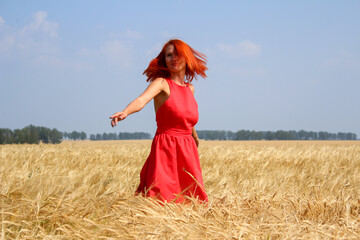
x=195, y=62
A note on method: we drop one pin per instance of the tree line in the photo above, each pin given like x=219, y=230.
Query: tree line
x=30, y=134
x=277, y=135
x=34, y=135
x=74, y=135
x=120, y=136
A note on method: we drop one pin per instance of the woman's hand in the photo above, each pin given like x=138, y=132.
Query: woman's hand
x=117, y=117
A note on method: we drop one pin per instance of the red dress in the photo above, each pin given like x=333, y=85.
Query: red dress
x=172, y=169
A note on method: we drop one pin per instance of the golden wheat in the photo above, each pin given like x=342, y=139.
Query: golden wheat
x=257, y=190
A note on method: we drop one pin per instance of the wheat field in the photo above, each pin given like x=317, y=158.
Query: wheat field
x=257, y=190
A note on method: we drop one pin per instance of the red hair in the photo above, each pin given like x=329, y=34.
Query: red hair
x=195, y=62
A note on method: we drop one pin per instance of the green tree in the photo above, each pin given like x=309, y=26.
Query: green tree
x=98, y=137
x=55, y=136
x=82, y=135
x=92, y=137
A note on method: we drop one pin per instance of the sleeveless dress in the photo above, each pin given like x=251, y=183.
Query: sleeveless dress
x=172, y=169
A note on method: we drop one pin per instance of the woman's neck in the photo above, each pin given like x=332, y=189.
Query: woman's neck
x=178, y=77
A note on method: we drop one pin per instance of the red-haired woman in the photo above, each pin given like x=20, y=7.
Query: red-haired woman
x=172, y=169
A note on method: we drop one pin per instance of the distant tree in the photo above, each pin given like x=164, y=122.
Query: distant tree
x=44, y=134
x=242, y=135
x=280, y=135
x=55, y=136
x=291, y=135
x=82, y=135
x=312, y=135
x=74, y=135
x=340, y=136
x=230, y=135
x=254, y=135
x=113, y=136
x=323, y=135
x=19, y=136
x=302, y=135
x=92, y=137
x=350, y=136
x=32, y=134
x=105, y=136
x=7, y=136
x=98, y=137
x=269, y=135
x=354, y=136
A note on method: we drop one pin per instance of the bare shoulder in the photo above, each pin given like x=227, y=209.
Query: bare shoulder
x=192, y=88
x=159, y=81
x=161, y=84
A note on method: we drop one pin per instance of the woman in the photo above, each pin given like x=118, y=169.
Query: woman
x=172, y=169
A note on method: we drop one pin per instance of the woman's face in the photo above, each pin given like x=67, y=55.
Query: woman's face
x=173, y=61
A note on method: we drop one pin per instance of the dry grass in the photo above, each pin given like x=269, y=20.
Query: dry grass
x=257, y=190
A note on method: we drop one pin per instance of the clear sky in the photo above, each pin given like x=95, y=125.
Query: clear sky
x=273, y=65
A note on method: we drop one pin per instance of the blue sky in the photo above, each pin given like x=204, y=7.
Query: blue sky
x=273, y=65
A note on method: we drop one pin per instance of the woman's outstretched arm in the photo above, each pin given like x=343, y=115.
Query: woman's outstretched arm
x=154, y=88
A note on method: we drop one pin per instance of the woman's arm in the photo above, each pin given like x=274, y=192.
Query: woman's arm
x=195, y=136
x=194, y=133
x=154, y=88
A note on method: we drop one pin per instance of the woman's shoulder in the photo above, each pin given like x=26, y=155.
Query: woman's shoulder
x=161, y=83
x=192, y=88
x=159, y=80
